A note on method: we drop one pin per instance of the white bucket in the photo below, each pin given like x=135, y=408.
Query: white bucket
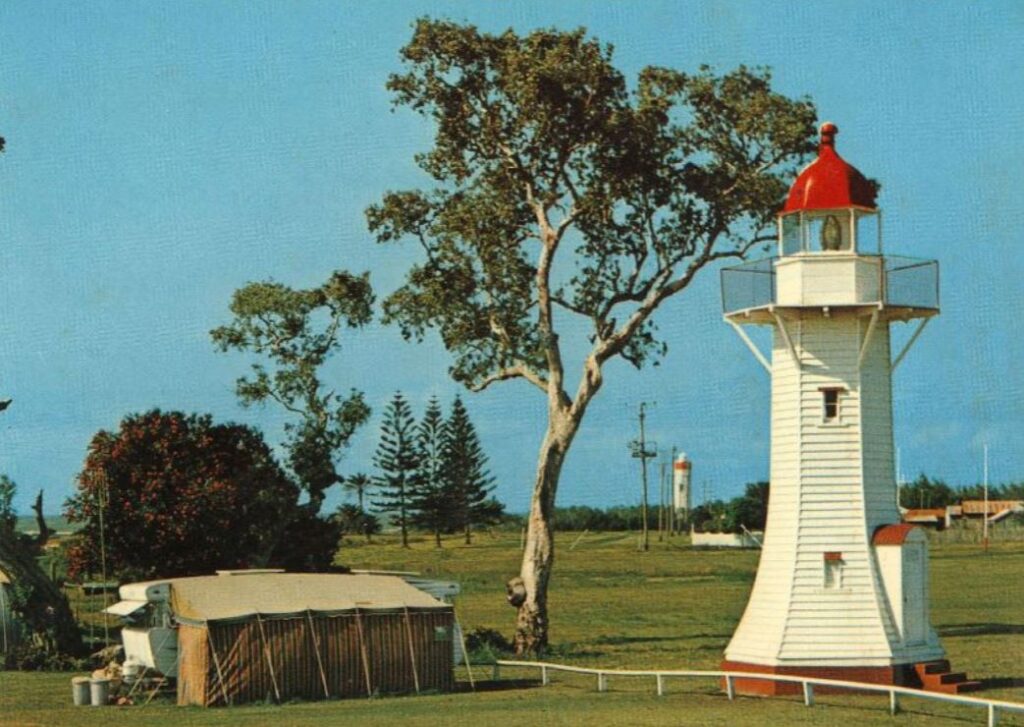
x=80, y=691
x=99, y=691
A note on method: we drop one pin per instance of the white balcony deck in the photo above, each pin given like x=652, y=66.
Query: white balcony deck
x=906, y=288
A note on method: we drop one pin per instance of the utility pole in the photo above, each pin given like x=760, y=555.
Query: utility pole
x=661, y=504
x=639, y=450
x=984, y=536
x=672, y=525
x=101, y=496
x=899, y=478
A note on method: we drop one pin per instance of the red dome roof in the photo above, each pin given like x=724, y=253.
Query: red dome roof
x=829, y=182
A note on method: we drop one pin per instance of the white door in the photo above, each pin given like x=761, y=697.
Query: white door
x=915, y=593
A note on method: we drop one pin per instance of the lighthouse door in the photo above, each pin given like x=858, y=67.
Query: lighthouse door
x=915, y=594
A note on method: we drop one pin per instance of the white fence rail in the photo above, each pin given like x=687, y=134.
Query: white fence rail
x=992, y=707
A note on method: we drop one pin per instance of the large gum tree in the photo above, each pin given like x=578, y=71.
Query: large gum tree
x=563, y=192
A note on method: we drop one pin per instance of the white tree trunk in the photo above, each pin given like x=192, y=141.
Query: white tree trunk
x=539, y=551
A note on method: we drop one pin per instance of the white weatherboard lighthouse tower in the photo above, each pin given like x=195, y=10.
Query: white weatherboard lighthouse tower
x=842, y=588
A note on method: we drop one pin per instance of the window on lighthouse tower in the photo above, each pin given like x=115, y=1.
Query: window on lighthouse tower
x=833, y=570
x=830, y=405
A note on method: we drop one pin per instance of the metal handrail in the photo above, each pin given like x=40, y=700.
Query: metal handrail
x=808, y=683
x=745, y=287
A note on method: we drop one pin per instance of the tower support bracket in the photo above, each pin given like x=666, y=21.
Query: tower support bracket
x=750, y=344
x=785, y=337
x=867, y=338
x=906, y=348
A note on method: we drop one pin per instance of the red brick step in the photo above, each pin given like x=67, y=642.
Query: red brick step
x=933, y=667
x=935, y=676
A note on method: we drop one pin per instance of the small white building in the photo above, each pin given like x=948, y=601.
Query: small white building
x=842, y=589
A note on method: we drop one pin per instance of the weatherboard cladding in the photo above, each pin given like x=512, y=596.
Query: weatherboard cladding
x=832, y=484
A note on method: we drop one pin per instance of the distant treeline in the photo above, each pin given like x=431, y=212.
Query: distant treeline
x=750, y=510
x=925, y=492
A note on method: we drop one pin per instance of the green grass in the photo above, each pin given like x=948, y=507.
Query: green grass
x=671, y=608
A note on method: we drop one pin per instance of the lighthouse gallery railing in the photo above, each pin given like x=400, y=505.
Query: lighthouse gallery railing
x=907, y=282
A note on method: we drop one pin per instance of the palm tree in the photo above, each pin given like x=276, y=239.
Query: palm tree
x=359, y=483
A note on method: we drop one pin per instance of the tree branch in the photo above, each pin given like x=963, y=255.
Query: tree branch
x=518, y=371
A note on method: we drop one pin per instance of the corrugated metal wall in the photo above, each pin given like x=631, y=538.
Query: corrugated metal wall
x=277, y=658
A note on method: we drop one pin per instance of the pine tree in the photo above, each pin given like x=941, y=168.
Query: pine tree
x=396, y=462
x=465, y=468
x=432, y=500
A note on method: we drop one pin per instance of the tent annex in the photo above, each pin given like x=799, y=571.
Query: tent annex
x=250, y=636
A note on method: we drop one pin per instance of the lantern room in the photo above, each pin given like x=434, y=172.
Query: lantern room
x=830, y=208
x=830, y=252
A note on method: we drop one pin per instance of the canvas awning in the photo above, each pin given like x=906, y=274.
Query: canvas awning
x=125, y=608
x=222, y=598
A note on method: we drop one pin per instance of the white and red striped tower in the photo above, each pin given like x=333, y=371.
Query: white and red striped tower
x=842, y=588
x=682, y=471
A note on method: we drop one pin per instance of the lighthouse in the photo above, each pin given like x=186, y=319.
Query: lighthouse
x=841, y=590
x=682, y=471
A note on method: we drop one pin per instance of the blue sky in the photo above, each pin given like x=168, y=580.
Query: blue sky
x=160, y=155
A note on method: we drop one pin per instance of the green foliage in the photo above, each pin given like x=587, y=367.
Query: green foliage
x=358, y=484
x=609, y=519
x=487, y=645
x=749, y=511
x=465, y=467
x=540, y=134
x=925, y=493
x=397, y=462
x=433, y=500
x=181, y=495
x=1007, y=491
x=30, y=655
x=352, y=520
x=298, y=330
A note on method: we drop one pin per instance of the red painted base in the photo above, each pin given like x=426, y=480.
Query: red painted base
x=902, y=675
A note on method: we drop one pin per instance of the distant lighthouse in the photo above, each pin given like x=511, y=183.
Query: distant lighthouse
x=682, y=471
x=842, y=587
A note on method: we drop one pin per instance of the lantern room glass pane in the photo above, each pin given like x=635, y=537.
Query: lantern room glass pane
x=791, y=243
x=828, y=232
x=868, y=226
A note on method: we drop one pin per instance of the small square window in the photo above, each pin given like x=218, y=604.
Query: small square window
x=830, y=405
x=833, y=570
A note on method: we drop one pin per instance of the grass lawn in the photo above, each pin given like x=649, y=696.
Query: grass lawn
x=671, y=608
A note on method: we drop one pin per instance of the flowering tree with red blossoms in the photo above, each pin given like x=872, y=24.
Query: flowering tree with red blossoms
x=180, y=495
